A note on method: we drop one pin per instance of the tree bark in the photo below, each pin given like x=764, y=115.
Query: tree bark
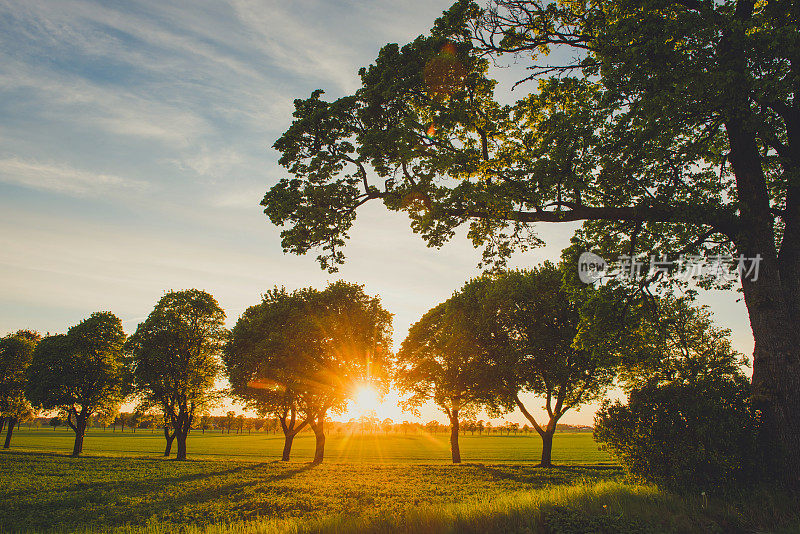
x=11, y=422
x=2, y=423
x=181, y=437
x=776, y=356
x=80, y=431
x=318, y=426
x=182, y=424
x=287, y=446
x=547, y=446
x=455, y=451
x=170, y=438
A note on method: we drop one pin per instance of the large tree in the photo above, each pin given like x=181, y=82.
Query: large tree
x=16, y=352
x=442, y=360
x=176, y=359
x=667, y=126
x=299, y=355
x=81, y=373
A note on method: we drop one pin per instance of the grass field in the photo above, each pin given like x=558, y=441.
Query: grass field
x=386, y=484
x=567, y=447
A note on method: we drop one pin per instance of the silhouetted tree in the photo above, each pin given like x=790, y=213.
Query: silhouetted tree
x=441, y=360
x=673, y=127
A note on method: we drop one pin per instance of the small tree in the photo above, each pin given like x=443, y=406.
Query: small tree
x=55, y=422
x=442, y=360
x=16, y=352
x=175, y=357
x=81, y=373
x=205, y=422
x=533, y=323
x=106, y=417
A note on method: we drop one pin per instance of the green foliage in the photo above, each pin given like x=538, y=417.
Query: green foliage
x=175, y=350
x=175, y=354
x=631, y=133
x=698, y=434
x=306, y=350
x=540, y=320
x=16, y=353
x=83, y=370
x=442, y=360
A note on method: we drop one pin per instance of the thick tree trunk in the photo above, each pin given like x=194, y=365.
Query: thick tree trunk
x=776, y=353
x=181, y=437
x=776, y=377
x=11, y=422
x=547, y=447
x=455, y=451
x=287, y=446
x=319, y=433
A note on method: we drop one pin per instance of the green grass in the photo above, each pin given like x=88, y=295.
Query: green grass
x=380, y=484
x=571, y=448
x=44, y=490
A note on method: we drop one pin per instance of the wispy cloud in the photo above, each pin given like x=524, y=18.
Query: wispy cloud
x=64, y=179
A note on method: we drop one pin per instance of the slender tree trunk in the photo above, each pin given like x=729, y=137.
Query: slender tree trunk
x=80, y=432
x=455, y=450
x=547, y=446
x=2, y=423
x=287, y=446
x=11, y=422
x=169, y=438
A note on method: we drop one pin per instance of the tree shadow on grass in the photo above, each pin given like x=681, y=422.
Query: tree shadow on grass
x=546, y=476
x=141, y=487
x=116, y=503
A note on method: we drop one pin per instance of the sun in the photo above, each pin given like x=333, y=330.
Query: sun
x=366, y=400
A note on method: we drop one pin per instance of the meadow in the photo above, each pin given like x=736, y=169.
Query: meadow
x=578, y=447
x=383, y=483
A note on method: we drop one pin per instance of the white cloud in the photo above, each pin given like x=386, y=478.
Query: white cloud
x=64, y=179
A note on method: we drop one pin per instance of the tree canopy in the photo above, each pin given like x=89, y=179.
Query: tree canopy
x=302, y=354
x=16, y=353
x=442, y=360
x=82, y=372
x=670, y=127
x=175, y=355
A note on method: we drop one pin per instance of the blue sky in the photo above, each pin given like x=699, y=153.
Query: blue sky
x=135, y=147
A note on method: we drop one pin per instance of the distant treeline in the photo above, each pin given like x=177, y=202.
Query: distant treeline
x=239, y=424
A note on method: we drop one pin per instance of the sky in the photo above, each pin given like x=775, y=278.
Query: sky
x=135, y=147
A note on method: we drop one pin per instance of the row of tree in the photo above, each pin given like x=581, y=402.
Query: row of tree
x=298, y=356
x=169, y=365
x=239, y=424
x=338, y=337
x=501, y=337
